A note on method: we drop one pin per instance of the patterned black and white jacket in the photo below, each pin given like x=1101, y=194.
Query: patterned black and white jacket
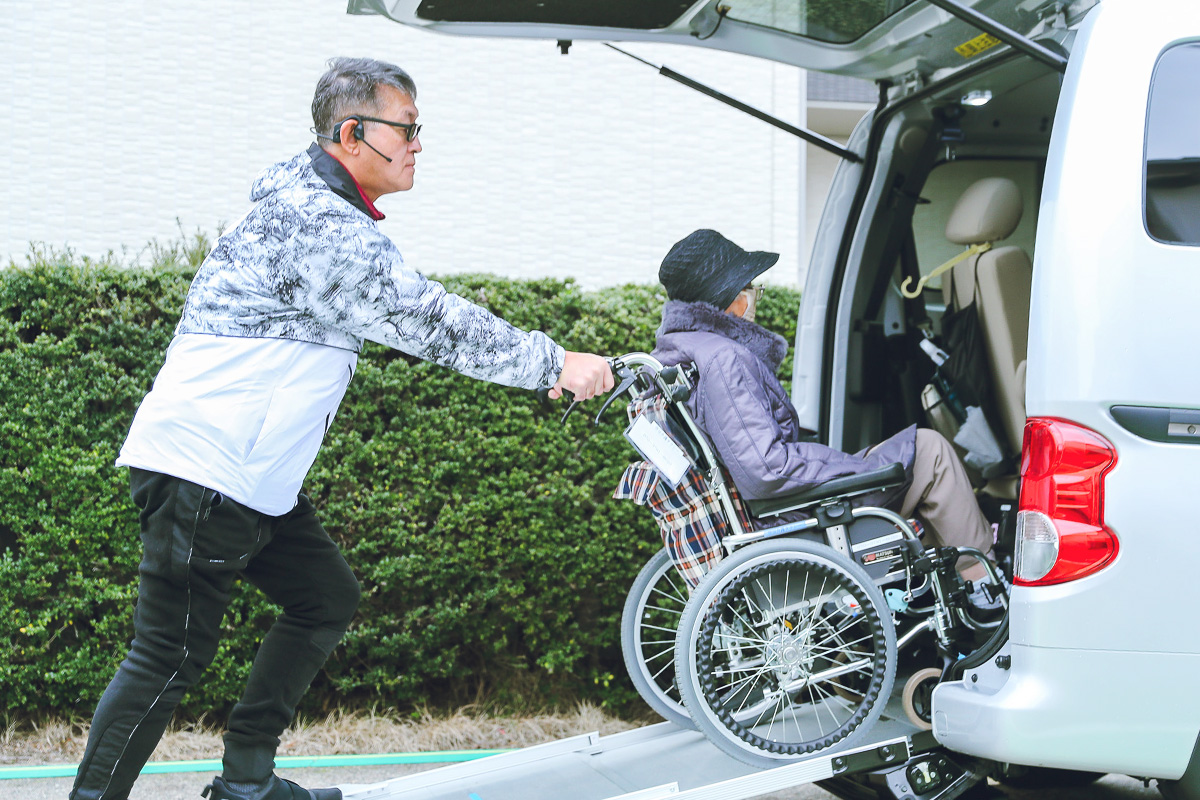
x=272, y=326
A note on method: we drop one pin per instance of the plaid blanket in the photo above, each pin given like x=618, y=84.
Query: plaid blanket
x=689, y=515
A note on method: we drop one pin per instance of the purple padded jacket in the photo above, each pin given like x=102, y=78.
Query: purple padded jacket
x=746, y=413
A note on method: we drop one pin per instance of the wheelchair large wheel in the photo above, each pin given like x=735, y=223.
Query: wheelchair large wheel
x=648, y=625
x=785, y=649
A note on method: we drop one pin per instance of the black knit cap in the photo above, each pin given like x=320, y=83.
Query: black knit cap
x=705, y=267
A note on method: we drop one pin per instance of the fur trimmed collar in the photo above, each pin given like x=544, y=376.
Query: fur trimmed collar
x=681, y=317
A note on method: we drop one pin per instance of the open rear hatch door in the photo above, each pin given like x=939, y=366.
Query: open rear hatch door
x=871, y=39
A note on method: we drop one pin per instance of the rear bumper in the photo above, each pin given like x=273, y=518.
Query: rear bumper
x=1102, y=711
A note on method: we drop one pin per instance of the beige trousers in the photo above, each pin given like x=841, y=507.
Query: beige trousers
x=941, y=495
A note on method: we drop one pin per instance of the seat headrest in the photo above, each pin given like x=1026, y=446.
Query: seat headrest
x=988, y=211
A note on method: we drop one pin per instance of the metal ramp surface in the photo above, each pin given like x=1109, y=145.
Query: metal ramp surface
x=657, y=761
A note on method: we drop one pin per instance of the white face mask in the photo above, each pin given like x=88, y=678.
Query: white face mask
x=751, y=304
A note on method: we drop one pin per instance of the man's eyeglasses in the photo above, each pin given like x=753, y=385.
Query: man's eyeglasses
x=757, y=289
x=411, y=129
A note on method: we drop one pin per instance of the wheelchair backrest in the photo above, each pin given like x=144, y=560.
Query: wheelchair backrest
x=692, y=514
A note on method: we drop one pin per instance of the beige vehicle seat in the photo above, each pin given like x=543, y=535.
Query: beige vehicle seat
x=989, y=211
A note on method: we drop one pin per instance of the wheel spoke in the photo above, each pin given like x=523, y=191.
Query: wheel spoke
x=808, y=618
x=767, y=705
x=836, y=631
x=787, y=581
x=837, y=699
x=735, y=637
x=743, y=620
x=672, y=597
x=848, y=647
x=771, y=721
x=661, y=653
x=670, y=578
x=669, y=665
x=670, y=642
x=753, y=606
x=816, y=709
x=745, y=699
x=862, y=665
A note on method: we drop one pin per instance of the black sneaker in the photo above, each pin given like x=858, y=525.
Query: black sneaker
x=276, y=788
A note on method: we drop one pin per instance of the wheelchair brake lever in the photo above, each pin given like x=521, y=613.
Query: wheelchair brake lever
x=613, y=395
x=571, y=408
x=547, y=404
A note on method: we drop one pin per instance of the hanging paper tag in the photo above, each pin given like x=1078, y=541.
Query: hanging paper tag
x=657, y=447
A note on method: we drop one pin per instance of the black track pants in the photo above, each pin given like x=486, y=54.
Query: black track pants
x=196, y=542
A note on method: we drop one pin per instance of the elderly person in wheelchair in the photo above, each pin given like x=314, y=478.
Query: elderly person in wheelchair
x=708, y=321
x=807, y=591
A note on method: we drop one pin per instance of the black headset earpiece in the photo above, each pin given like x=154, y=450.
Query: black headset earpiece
x=359, y=131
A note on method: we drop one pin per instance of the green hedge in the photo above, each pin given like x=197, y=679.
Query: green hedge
x=492, y=559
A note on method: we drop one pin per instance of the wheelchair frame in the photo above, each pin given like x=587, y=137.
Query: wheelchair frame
x=829, y=526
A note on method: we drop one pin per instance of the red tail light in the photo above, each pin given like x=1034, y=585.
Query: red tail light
x=1061, y=535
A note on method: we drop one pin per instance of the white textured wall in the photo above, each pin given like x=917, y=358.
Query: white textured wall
x=125, y=116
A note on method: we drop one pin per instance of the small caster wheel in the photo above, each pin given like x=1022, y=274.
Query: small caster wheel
x=918, y=697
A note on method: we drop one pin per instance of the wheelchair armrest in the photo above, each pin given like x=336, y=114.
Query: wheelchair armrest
x=882, y=478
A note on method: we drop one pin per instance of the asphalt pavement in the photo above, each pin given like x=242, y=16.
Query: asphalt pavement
x=187, y=786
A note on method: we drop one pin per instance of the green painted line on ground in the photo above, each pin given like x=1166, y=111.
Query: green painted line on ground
x=283, y=762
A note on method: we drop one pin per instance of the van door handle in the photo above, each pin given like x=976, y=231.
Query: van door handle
x=1171, y=425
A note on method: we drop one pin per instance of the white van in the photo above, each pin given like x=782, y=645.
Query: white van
x=1067, y=133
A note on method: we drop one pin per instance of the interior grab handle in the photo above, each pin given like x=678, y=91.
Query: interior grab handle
x=974, y=249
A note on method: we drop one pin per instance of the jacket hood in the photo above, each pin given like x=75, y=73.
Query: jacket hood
x=314, y=169
x=682, y=317
x=293, y=173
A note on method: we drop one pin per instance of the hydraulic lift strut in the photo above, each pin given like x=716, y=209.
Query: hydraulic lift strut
x=809, y=136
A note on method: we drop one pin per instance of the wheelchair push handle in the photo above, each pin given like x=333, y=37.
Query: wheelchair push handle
x=633, y=373
x=636, y=373
x=676, y=392
x=544, y=395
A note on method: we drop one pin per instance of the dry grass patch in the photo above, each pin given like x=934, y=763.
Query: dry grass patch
x=57, y=741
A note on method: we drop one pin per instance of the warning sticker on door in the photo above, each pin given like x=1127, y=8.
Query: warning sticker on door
x=984, y=41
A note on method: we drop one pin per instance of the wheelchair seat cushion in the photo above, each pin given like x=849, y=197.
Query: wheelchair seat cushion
x=845, y=487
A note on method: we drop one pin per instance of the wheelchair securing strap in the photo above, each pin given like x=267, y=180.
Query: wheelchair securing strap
x=882, y=478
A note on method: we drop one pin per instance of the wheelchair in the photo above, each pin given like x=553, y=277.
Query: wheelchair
x=789, y=644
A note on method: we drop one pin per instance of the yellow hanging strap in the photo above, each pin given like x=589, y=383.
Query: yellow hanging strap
x=965, y=254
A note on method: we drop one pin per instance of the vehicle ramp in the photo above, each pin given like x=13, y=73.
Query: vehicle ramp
x=666, y=761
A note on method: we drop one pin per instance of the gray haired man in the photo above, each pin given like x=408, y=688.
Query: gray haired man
x=265, y=348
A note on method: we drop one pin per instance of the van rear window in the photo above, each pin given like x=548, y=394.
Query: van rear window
x=837, y=21
x=636, y=14
x=1172, y=189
